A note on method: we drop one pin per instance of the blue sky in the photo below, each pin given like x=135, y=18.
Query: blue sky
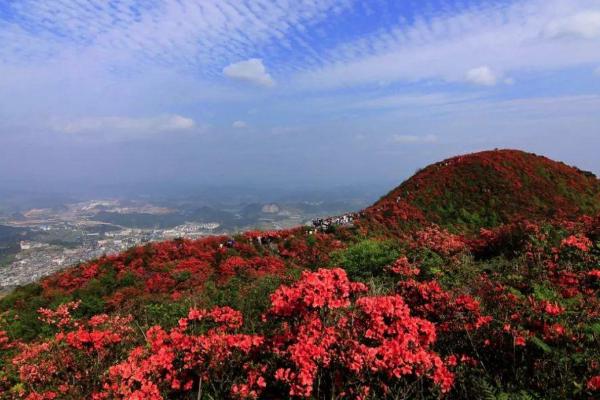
x=279, y=91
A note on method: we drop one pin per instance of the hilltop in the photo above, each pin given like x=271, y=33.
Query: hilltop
x=487, y=189
x=491, y=291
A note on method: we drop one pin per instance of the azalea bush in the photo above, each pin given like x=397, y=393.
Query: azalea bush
x=440, y=290
x=335, y=339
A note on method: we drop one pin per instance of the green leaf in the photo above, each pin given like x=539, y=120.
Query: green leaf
x=593, y=328
x=541, y=344
x=542, y=292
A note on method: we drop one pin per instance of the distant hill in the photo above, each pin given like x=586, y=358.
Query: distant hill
x=487, y=189
x=10, y=233
x=141, y=220
x=9, y=240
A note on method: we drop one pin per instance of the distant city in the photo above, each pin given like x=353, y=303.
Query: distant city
x=35, y=242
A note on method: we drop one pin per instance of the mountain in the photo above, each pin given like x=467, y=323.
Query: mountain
x=491, y=291
x=489, y=188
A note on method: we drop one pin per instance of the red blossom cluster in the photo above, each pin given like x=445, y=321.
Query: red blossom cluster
x=184, y=265
x=250, y=267
x=74, y=358
x=4, y=341
x=324, y=326
x=98, y=334
x=326, y=288
x=61, y=317
x=451, y=312
x=577, y=242
x=403, y=267
x=391, y=214
x=326, y=335
x=440, y=241
x=508, y=239
x=173, y=361
x=594, y=383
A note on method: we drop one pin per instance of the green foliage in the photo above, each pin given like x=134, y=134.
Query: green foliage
x=544, y=292
x=430, y=263
x=22, y=320
x=20, y=295
x=252, y=300
x=539, y=343
x=366, y=258
x=452, y=275
x=182, y=276
x=90, y=305
x=311, y=240
x=165, y=314
x=480, y=388
x=128, y=279
x=594, y=328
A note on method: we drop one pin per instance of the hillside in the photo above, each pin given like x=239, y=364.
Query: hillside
x=487, y=189
x=356, y=311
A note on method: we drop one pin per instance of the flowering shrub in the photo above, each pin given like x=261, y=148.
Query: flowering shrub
x=173, y=362
x=440, y=241
x=403, y=267
x=4, y=341
x=327, y=337
x=250, y=267
x=71, y=362
x=577, y=242
x=477, y=278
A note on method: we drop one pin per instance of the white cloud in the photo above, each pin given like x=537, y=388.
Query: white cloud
x=414, y=139
x=239, y=125
x=585, y=24
x=510, y=37
x=397, y=101
x=125, y=126
x=192, y=33
x=252, y=70
x=482, y=76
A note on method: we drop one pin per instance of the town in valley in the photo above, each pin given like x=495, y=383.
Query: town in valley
x=35, y=242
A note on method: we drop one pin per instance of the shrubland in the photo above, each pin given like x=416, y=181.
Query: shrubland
x=428, y=295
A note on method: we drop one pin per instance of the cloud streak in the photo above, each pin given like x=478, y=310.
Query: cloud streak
x=126, y=127
x=522, y=35
x=585, y=25
x=187, y=34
